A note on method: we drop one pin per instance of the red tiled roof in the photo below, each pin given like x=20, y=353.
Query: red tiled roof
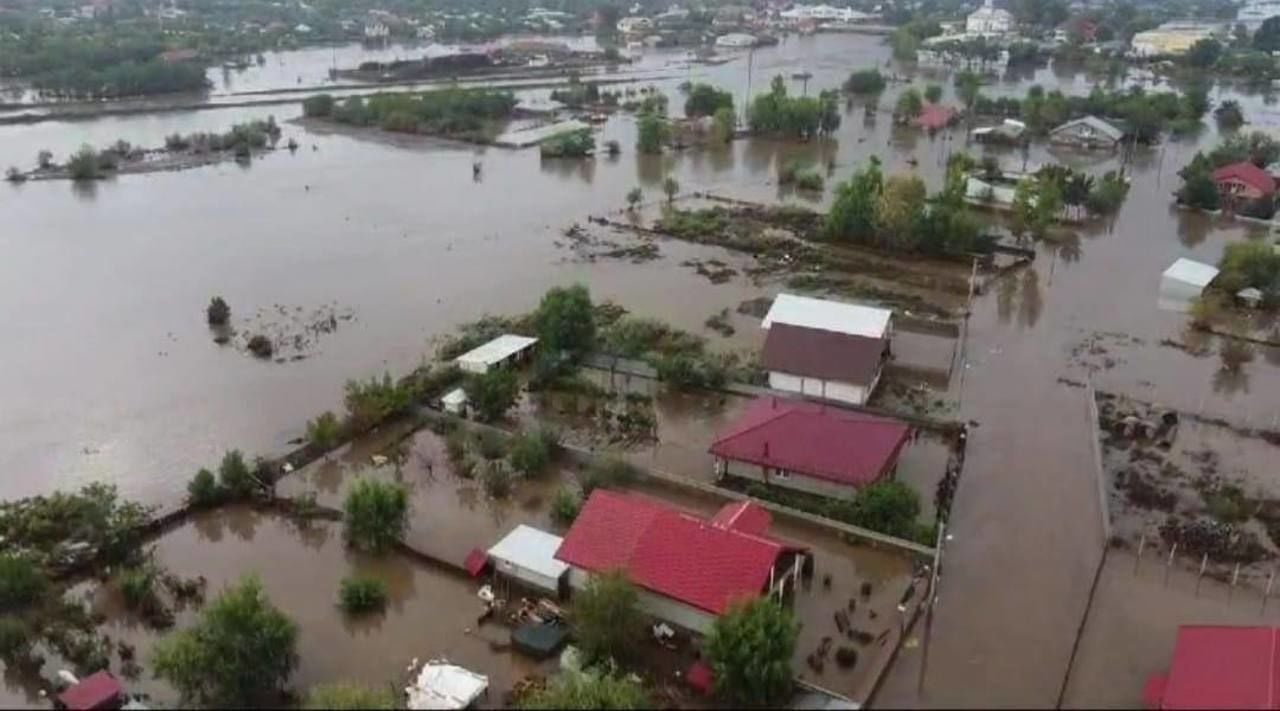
x=806, y=438
x=1220, y=667
x=99, y=690
x=1247, y=173
x=934, y=116
x=669, y=552
x=816, y=353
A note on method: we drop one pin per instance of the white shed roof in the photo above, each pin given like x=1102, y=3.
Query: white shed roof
x=496, y=351
x=531, y=549
x=1191, y=272
x=828, y=316
x=441, y=685
x=455, y=397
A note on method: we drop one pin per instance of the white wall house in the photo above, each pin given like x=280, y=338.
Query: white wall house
x=989, y=20
x=528, y=555
x=825, y=349
x=500, y=351
x=659, y=607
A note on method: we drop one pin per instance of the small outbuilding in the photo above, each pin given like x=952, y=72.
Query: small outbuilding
x=503, y=350
x=935, y=117
x=96, y=692
x=1088, y=132
x=441, y=685
x=528, y=555
x=1250, y=297
x=455, y=402
x=1243, y=183
x=1183, y=282
x=1008, y=132
x=825, y=349
x=1219, y=667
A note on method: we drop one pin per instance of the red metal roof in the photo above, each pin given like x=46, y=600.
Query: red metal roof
x=669, y=552
x=99, y=690
x=815, y=353
x=743, y=516
x=1221, y=667
x=1247, y=173
x=476, y=561
x=935, y=116
x=806, y=438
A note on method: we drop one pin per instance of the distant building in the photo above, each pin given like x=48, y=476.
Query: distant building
x=1089, y=132
x=1219, y=667
x=1008, y=132
x=376, y=31
x=689, y=569
x=635, y=25
x=989, y=20
x=810, y=447
x=1171, y=39
x=934, y=117
x=821, y=13
x=1256, y=12
x=1243, y=183
x=736, y=39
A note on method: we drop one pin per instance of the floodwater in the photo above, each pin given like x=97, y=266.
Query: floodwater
x=110, y=373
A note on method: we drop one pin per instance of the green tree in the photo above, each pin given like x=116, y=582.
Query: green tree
x=1229, y=115
x=706, y=100
x=320, y=105
x=349, y=696
x=909, y=105
x=968, y=88
x=1204, y=53
x=652, y=133
x=566, y=321
x=1108, y=194
x=634, y=197
x=240, y=652
x=1024, y=208
x=204, y=490
x=565, y=506
x=750, y=648
x=899, y=209
x=493, y=393
x=44, y=159
x=853, y=213
x=84, y=164
x=376, y=515
x=235, y=477
x=358, y=595
x=21, y=582
x=723, y=125
x=933, y=93
x=890, y=507
x=1198, y=189
x=671, y=188
x=588, y=691
x=530, y=453
x=1250, y=264
x=324, y=430
x=1267, y=38
x=218, y=312
x=606, y=618
x=865, y=82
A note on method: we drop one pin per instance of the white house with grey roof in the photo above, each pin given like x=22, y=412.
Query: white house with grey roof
x=1089, y=132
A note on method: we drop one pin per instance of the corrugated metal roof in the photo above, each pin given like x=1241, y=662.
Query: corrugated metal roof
x=1094, y=123
x=1191, y=272
x=1222, y=667
x=817, y=353
x=495, y=351
x=828, y=315
x=531, y=549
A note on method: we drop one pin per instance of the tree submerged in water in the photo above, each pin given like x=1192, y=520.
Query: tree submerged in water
x=218, y=312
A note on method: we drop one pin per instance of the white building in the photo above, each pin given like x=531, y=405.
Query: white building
x=821, y=13
x=825, y=349
x=1183, y=282
x=500, y=351
x=635, y=25
x=989, y=20
x=528, y=555
x=736, y=40
x=1172, y=39
x=1254, y=13
x=376, y=31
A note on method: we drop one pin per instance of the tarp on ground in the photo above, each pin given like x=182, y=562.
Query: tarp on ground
x=441, y=685
x=539, y=641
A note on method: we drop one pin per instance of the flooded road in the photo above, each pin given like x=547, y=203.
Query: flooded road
x=110, y=373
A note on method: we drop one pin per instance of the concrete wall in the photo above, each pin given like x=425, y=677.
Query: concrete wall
x=526, y=576
x=816, y=387
x=799, y=482
x=657, y=606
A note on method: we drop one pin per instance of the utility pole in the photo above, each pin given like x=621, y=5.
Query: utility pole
x=751, y=55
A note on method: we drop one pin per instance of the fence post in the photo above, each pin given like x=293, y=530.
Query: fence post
x=1204, y=560
x=1267, y=593
x=1142, y=543
x=1231, y=591
x=1169, y=563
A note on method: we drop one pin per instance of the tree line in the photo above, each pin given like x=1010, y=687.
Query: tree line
x=468, y=113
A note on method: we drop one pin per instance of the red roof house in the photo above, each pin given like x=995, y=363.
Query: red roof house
x=935, y=117
x=1220, y=667
x=689, y=568
x=1244, y=181
x=95, y=692
x=810, y=447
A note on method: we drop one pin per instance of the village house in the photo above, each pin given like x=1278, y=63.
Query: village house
x=688, y=569
x=934, y=117
x=810, y=447
x=1219, y=667
x=503, y=350
x=825, y=349
x=1088, y=133
x=1244, y=184
x=1172, y=39
x=989, y=20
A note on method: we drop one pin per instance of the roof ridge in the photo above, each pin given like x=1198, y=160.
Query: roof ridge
x=787, y=410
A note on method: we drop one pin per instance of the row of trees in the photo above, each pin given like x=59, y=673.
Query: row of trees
x=1146, y=113
x=775, y=113
x=121, y=80
x=447, y=112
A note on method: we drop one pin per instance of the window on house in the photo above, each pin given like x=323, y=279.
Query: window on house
x=781, y=474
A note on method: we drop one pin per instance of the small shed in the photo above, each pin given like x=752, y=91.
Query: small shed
x=455, y=402
x=1250, y=297
x=502, y=350
x=1183, y=282
x=528, y=555
x=95, y=692
x=441, y=685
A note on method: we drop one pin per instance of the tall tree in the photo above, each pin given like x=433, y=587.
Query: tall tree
x=566, y=320
x=853, y=213
x=1267, y=38
x=240, y=652
x=750, y=648
x=1204, y=53
x=899, y=209
x=376, y=514
x=606, y=618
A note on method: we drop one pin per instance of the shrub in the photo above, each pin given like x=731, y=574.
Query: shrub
x=345, y=696
x=21, y=582
x=318, y=105
x=530, y=454
x=493, y=393
x=588, y=691
x=15, y=638
x=84, y=164
x=14, y=175
x=235, y=477
x=261, y=346
x=869, y=81
x=496, y=480
x=218, y=313
x=612, y=148
x=324, y=430
x=137, y=587
x=565, y=506
x=569, y=144
x=377, y=514
x=606, y=618
x=455, y=445
x=491, y=444
x=609, y=472
x=204, y=490
x=359, y=595
x=369, y=402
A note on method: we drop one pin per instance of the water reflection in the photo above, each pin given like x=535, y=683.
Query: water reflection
x=1193, y=227
x=583, y=169
x=86, y=190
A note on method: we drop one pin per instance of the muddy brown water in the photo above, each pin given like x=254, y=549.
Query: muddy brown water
x=110, y=373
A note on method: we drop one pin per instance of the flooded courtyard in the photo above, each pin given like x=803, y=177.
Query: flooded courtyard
x=111, y=373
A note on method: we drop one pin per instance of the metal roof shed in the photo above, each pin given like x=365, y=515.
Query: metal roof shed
x=441, y=685
x=821, y=314
x=1183, y=282
x=529, y=555
x=495, y=352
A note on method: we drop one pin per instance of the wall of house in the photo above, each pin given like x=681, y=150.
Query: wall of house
x=526, y=576
x=662, y=608
x=828, y=389
x=798, y=482
x=1082, y=136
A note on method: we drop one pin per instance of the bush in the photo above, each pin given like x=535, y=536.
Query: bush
x=15, y=638
x=376, y=515
x=530, y=454
x=750, y=648
x=491, y=394
x=21, y=582
x=565, y=506
x=609, y=473
x=261, y=346
x=324, y=431
x=588, y=691
x=455, y=445
x=137, y=587
x=218, y=313
x=318, y=105
x=867, y=81
x=368, y=403
x=612, y=148
x=359, y=595
x=569, y=144
x=84, y=164
x=345, y=696
x=491, y=444
x=606, y=618
x=235, y=477
x=810, y=180
x=496, y=480
x=706, y=100
x=204, y=490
